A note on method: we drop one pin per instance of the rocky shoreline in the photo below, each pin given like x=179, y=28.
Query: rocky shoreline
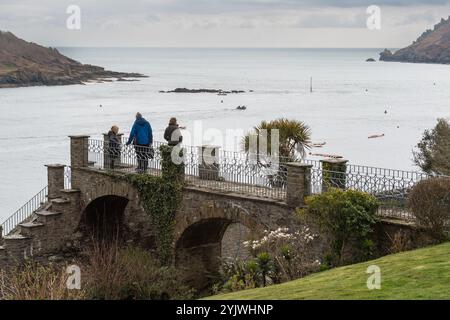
x=87, y=74
x=26, y=64
x=433, y=46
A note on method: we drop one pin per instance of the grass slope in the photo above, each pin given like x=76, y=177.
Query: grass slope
x=418, y=274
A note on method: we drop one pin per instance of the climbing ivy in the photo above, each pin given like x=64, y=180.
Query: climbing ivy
x=161, y=197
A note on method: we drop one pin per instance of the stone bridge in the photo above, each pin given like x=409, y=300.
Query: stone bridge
x=214, y=219
x=209, y=225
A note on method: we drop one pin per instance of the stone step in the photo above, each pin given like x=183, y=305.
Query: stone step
x=14, y=237
x=69, y=191
x=59, y=204
x=45, y=216
x=60, y=201
x=26, y=229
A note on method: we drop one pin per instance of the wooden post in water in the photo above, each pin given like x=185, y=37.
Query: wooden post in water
x=310, y=85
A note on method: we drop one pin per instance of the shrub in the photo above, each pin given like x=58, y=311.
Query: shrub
x=346, y=216
x=291, y=251
x=279, y=256
x=131, y=273
x=238, y=275
x=429, y=202
x=32, y=281
x=433, y=151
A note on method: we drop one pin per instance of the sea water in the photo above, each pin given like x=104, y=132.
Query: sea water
x=348, y=104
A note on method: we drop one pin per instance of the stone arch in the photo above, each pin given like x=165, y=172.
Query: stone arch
x=108, y=186
x=102, y=218
x=198, y=238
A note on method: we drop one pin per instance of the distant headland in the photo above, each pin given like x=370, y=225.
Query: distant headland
x=433, y=46
x=24, y=64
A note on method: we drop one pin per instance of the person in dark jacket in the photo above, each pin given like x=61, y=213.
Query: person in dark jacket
x=114, y=147
x=173, y=133
x=142, y=137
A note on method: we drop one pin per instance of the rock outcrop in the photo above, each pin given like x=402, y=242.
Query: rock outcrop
x=25, y=63
x=433, y=46
x=218, y=91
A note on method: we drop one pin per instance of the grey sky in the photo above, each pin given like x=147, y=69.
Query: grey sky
x=221, y=23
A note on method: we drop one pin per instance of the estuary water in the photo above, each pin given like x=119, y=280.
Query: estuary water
x=351, y=100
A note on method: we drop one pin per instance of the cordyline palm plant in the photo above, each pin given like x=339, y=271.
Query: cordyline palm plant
x=294, y=140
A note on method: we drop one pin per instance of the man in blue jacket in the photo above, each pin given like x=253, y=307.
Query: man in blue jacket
x=142, y=137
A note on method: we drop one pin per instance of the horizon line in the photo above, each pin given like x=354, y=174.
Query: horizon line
x=194, y=47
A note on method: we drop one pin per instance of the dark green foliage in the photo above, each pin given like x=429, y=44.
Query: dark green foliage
x=170, y=170
x=346, y=216
x=161, y=197
x=265, y=266
x=241, y=275
x=433, y=151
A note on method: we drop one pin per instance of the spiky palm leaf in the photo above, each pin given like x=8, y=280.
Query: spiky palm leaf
x=294, y=138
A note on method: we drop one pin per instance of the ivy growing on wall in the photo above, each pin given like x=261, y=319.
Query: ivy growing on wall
x=161, y=197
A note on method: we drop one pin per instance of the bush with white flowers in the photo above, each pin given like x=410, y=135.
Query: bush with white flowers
x=279, y=255
x=291, y=251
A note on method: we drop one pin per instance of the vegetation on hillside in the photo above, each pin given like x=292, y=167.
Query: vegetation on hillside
x=279, y=256
x=349, y=217
x=418, y=274
x=432, y=153
x=429, y=202
x=107, y=272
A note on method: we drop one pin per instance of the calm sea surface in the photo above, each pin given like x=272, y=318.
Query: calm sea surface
x=348, y=105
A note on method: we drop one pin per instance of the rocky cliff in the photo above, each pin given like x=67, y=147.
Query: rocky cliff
x=433, y=46
x=25, y=63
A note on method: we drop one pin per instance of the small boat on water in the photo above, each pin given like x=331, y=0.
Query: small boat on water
x=376, y=136
x=324, y=155
x=318, y=144
x=241, y=108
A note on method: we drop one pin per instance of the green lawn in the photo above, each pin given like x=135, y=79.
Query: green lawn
x=418, y=274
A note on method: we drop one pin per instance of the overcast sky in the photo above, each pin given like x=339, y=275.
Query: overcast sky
x=221, y=23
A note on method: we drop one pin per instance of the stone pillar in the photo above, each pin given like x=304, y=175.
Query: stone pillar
x=55, y=176
x=208, y=168
x=106, y=154
x=79, y=151
x=334, y=174
x=298, y=183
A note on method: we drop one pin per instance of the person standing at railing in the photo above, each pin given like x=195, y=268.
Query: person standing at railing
x=114, y=146
x=172, y=134
x=142, y=137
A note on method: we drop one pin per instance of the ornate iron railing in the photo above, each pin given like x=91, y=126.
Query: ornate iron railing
x=25, y=211
x=390, y=187
x=262, y=176
x=230, y=172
